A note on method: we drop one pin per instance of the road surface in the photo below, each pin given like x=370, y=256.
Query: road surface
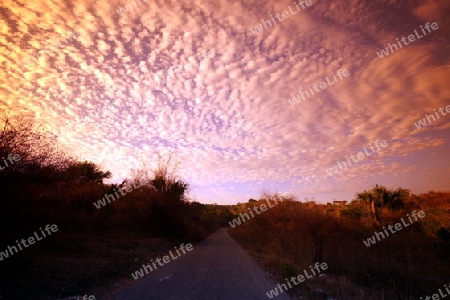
x=217, y=268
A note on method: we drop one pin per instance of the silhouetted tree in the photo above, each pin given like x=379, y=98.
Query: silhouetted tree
x=87, y=171
x=40, y=157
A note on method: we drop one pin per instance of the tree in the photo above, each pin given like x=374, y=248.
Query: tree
x=398, y=198
x=40, y=156
x=368, y=198
x=88, y=171
x=381, y=197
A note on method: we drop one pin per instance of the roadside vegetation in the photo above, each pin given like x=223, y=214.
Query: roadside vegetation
x=96, y=249
x=407, y=264
x=93, y=248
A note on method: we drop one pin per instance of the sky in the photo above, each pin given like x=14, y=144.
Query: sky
x=119, y=83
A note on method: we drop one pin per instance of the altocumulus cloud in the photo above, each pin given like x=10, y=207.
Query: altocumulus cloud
x=224, y=115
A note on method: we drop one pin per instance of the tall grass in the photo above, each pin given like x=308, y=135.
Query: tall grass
x=410, y=263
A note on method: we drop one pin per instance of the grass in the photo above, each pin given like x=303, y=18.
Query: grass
x=413, y=262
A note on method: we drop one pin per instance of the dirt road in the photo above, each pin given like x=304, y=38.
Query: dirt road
x=217, y=268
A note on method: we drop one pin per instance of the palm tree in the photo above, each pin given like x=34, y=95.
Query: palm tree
x=376, y=198
x=88, y=171
x=380, y=197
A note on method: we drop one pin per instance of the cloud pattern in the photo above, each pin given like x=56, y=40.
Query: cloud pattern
x=190, y=77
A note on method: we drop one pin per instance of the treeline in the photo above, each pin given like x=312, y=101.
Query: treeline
x=407, y=264
x=40, y=184
x=46, y=184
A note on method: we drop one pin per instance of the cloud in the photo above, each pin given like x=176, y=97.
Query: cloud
x=191, y=77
